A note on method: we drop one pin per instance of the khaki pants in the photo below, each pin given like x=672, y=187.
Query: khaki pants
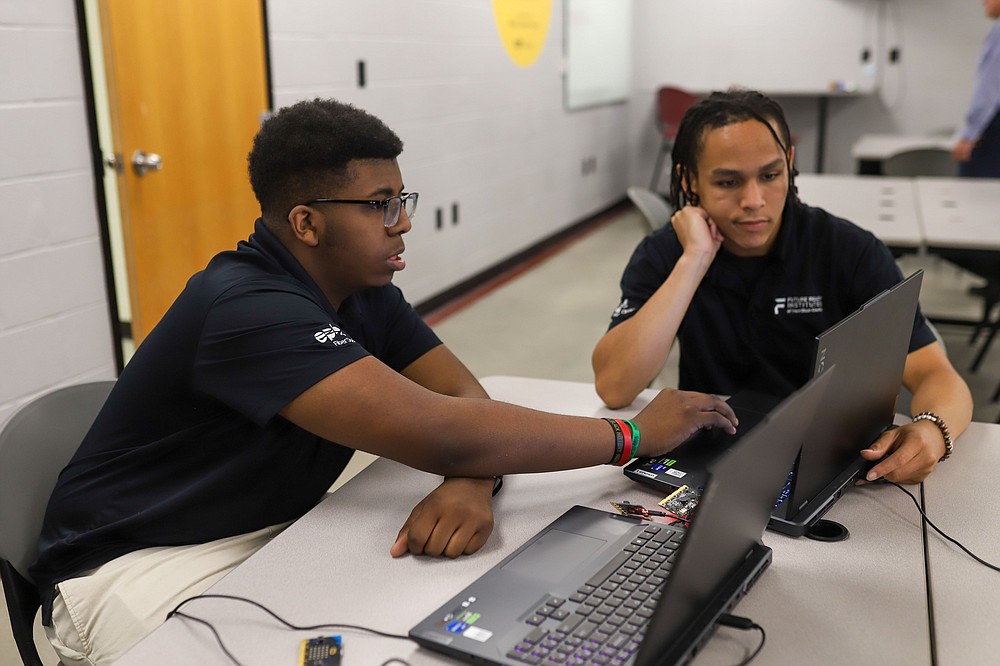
x=97, y=617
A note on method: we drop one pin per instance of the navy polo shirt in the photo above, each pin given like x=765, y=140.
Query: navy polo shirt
x=189, y=447
x=753, y=320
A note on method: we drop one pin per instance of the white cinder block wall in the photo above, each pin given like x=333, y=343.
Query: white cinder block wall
x=54, y=323
x=480, y=132
x=927, y=89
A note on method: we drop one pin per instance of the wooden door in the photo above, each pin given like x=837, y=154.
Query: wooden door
x=187, y=81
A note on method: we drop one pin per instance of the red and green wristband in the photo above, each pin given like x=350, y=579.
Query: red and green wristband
x=626, y=441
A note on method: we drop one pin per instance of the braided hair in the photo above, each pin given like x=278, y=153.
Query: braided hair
x=720, y=109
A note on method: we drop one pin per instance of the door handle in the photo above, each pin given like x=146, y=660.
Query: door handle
x=115, y=161
x=143, y=163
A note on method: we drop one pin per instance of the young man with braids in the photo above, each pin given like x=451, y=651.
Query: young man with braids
x=276, y=362
x=723, y=276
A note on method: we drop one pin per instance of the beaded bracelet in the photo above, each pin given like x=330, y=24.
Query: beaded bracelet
x=942, y=426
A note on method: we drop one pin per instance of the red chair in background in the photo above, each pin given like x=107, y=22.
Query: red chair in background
x=671, y=105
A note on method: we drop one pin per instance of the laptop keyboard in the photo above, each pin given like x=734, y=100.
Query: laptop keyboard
x=604, y=621
x=786, y=490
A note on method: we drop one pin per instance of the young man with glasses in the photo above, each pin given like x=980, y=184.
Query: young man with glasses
x=721, y=279
x=275, y=364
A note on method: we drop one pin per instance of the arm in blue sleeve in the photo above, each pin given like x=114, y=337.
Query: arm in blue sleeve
x=986, y=93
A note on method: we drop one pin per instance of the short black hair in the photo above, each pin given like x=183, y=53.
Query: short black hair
x=720, y=109
x=300, y=148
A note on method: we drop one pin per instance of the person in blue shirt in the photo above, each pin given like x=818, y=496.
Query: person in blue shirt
x=978, y=148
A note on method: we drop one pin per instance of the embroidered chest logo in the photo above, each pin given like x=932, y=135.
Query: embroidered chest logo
x=798, y=304
x=334, y=335
x=623, y=309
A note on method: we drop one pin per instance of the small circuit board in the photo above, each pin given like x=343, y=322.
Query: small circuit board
x=682, y=502
x=626, y=508
x=321, y=651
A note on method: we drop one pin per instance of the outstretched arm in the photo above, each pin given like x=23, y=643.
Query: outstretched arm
x=370, y=407
x=910, y=453
x=630, y=355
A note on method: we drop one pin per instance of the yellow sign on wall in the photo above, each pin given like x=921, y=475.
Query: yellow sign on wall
x=523, y=27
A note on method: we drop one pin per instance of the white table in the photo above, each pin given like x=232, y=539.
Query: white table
x=887, y=207
x=963, y=498
x=857, y=601
x=960, y=212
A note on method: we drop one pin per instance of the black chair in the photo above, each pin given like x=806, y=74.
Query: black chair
x=990, y=294
x=35, y=444
x=983, y=264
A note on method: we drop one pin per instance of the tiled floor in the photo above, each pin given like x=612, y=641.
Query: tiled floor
x=545, y=321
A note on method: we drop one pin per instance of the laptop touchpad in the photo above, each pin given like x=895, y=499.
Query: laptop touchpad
x=553, y=555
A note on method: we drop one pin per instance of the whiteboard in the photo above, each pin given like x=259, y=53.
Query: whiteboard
x=597, y=47
x=775, y=46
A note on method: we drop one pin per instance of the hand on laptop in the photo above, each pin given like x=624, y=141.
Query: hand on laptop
x=455, y=519
x=908, y=454
x=674, y=416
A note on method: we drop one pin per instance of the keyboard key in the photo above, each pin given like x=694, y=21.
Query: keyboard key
x=535, y=636
x=585, y=629
x=608, y=569
x=570, y=623
x=523, y=657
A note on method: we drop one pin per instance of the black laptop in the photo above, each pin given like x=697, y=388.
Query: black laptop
x=869, y=348
x=620, y=590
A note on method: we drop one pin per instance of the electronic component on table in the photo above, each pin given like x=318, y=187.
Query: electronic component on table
x=626, y=508
x=321, y=651
x=681, y=502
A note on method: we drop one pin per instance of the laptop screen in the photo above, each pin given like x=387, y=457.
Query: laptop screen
x=869, y=348
x=730, y=518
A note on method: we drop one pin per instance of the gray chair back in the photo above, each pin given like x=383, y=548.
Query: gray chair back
x=920, y=162
x=652, y=206
x=35, y=444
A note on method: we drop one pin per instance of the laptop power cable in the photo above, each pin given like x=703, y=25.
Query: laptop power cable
x=744, y=624
x=936, y=528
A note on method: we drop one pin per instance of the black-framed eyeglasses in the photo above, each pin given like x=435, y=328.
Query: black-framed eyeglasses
x=390, y=207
